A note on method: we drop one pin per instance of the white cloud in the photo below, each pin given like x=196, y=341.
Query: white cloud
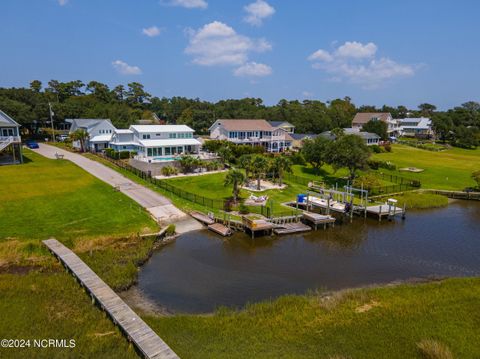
x=218, y=44
x=356, y=50
x=188, y=4
x=62, y=2
x=151, y=31
x=357, y=63
x=253, y=69
x=321, y=55
x=126, y=69
x=257, y=12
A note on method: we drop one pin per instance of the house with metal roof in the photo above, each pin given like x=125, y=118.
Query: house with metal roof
x=10, y=140
x=99, y=132
x=156, y=143
x=369, y=138
x=254, y=132
x=414, y=127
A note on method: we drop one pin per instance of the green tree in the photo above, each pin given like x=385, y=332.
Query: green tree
x=350, y=152
x=378, y=127
x=136, y=95
x=36, y=86
x=260, y=167
x=280, y=165
x=234, y=177
x=245, y=162
x=225, y=154
x=80, y=135
x=442, y=126
x=427, y=109
x=315, y=151
x=476, y=177
x=466, y=137
x=99, y=90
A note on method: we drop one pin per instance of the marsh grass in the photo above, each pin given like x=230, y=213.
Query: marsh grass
x=433, y=349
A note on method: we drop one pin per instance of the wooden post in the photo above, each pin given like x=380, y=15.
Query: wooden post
x=380, y=214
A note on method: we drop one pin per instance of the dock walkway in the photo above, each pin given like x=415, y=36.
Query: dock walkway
x=136, y=330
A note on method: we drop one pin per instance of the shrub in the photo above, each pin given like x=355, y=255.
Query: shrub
x=432, y=349
x=123, y=155
x=243, y=209
x=376, y=148
x=388, y=147
x=374, y=164
x=170, y=231
x=110, y=152
x=169, y=171
x=367, y=181
x=298, y=159
x=213, y=165
x=476, y=177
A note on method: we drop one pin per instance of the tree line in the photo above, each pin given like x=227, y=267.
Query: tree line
x=125, y=105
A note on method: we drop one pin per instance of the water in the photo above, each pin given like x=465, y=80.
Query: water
x=201, y=271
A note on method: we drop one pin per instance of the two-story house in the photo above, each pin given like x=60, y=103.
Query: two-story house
x=252, y=132
x=414, y=127
x=99, y=132
x=156, y=142
x=10, y=140
x=362, y=118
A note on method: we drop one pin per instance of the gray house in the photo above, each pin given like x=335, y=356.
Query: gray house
x=99, y=131
x=368, y=137
x=10, y=140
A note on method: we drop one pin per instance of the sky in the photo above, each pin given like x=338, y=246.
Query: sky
x=396, y=52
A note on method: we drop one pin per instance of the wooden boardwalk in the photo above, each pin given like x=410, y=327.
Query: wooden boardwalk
x=220, y=229
x=136, y=330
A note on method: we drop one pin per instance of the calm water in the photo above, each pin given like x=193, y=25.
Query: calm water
x=201, y=270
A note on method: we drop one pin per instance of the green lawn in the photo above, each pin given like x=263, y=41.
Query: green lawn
x=450, y=169
x=52, y=305
x=373, y=323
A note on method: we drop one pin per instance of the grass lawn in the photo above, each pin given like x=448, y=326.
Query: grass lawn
x=52, y=305
x=449, y=170
x=372, y=323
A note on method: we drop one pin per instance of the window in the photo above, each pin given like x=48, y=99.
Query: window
x=172, y=135
x=167, y=151
x=146, y=137
x=181, y=135
x=149, y=152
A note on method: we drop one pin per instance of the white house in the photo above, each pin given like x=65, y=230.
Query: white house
x=253, y=132
x=414, y=127
x=10, y=140
x=99, y=131
x=368, y=138
x=156, y=142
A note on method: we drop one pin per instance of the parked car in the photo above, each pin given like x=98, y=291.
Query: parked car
x=31, y=144
x=62, y=138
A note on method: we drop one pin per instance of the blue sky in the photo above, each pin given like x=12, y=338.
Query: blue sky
x=377, y=52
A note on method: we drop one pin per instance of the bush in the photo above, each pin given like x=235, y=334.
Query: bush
x=123, y=155
x=169, y=171
x=298, y=159
x=387, y=147
x=476, y=177
x=243, y=209
x=366, y=181
x=213, y=165
x=376, y=148
x=110, y=152
x=170, y=231
x=376, y=164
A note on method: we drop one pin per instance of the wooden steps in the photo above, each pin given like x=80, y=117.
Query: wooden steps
x=136, y=330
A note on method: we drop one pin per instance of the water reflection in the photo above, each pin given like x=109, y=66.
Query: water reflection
x=201, y=270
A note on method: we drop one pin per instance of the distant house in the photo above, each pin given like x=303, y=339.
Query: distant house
x=414, y=127
x=10, y=140
x=253, y=132
x=287, y=126
x=299, y=138
x=156, y=142
x=369, y=138
x=99, y=132
x=363, y=118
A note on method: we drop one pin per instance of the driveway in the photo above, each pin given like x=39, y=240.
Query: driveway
x=157, y=205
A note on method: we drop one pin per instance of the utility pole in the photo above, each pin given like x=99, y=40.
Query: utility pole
x=51, y=121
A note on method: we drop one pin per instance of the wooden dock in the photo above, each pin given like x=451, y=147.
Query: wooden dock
x=256, y=225
x=289, y=228
x=384, y=210
x=137, y=331
x=220, y=229
x=316, y=219
x=202, y=218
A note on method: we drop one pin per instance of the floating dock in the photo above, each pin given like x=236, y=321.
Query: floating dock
x=316, y=219
x=257, y=225
x=136, y=330
x=202, y=218
x=220, y=229
x=289, y=228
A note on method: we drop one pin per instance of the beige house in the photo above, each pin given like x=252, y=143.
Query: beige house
x=363, y=118
x=252, y=132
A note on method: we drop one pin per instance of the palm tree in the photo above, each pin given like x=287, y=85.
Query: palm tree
x=234, y=177
x=282, y=164
x=80, y=135
x=259, y=168
x=245, y=162
x=225, y=153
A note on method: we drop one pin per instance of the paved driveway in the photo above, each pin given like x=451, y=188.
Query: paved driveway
x=159, y=206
